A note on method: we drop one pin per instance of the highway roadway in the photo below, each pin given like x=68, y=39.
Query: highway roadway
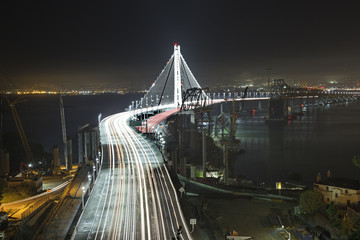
x=133, y=196
x=152, y=123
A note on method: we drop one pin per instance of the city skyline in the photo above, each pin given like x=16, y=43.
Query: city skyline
x=98, y=46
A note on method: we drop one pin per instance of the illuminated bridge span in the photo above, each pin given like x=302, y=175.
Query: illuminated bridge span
x=171, y=84
x=133, y=196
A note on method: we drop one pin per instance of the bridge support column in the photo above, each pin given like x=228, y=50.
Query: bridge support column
x=204, y=152
x=5, y=163
x=174, y=158
x=276, y=109
x=183, y=166
x=69, y=157
x=226, y=163
x=55, y=162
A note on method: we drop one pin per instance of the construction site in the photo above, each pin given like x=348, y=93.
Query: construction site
x=34, y=181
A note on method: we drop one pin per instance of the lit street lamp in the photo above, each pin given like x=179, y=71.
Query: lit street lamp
x=282, y=227
x=97, y=163
x=93, y=172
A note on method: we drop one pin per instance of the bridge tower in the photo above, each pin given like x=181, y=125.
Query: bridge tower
x=172, y=83
x=177, y=77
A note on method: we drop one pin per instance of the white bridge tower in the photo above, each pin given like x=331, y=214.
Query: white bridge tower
x=172, y=82
x=177, y=77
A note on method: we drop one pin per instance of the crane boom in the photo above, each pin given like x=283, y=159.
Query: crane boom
x=20, y=128
x=63, y=126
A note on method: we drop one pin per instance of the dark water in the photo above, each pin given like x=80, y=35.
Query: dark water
x=321, y=140
x=40, y=116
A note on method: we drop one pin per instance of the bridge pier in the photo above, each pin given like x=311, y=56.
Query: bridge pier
x=226, y=163
x=88, y=143
x=277, y=109
x=174, y=158
x=183, y=166
x=204, y=152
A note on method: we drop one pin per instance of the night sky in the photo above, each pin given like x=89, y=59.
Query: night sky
x=87, y=44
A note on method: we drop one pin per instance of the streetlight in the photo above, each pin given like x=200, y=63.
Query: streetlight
x=89, y=178
x=282, y=227
x=82, y=196
x=181, y=190
x=97, y=163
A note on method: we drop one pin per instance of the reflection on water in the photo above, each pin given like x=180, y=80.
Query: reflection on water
x=321, y=140
x=316, y=142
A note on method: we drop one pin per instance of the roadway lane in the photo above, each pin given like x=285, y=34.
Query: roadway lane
x=59, y=224
x=150, y=124
x=133, y=197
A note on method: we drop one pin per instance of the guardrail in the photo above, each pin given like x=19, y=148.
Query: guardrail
x=39, y=199
x=33, y=207
x=52, y=191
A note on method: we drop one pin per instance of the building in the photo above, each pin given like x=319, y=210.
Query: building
x=88, y=143
x=32, y=182
x=341, y=191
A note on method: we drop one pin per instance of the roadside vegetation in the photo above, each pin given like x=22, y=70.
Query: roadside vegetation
x=341, y=220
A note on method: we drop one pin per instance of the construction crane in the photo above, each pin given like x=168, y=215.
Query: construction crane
x=20, y=127
x=63, y=126
x=1, y=114
x=1, y=127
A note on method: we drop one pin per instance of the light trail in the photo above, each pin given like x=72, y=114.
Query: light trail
x=150, y=124
x=133, y=197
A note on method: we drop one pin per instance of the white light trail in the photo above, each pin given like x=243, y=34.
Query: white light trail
x=138, y=199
